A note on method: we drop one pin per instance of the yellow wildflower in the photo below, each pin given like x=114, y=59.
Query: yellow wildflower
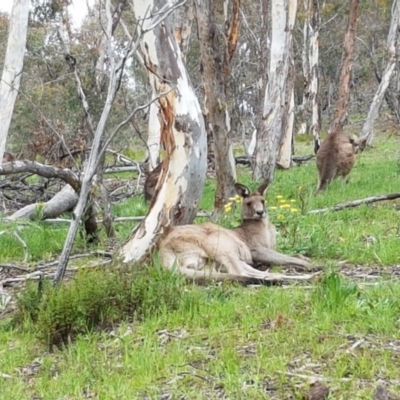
x=284, y=206
x=279, y=196
x=292, y=200
x=228, y=207
x=281, y=216
x=300, y=187
x=294, y=210
x=273, y=208
x=232, y=198
x=282, y=201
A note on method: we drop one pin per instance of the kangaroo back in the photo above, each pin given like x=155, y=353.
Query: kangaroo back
x=336, y=157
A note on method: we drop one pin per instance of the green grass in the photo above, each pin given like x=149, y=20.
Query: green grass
x=166, y=336
x=236, y=340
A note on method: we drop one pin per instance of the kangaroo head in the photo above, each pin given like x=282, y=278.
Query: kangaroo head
x=358, y=143
x=253, y=202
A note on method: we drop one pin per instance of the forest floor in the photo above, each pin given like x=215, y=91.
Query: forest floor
x=183, y=341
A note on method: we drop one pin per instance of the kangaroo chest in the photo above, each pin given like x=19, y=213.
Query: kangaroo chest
x=258, y=233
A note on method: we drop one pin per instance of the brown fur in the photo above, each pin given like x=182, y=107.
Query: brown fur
x=151, y=182
x=211, y=251
x=336, y=157
x=8, y=157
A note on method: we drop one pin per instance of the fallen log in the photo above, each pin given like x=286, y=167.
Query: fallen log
x=356, y=203
x=65, y=200
x=245, y=160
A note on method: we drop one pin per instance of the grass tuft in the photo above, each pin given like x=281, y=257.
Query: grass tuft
x=96, y=299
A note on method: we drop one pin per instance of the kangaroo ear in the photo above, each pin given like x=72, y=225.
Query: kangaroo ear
x=362, y=143
x=242, y=190
x=262, y=189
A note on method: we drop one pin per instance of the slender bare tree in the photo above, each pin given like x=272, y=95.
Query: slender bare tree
x=183, y=135
x=310, y=59
x=269, y=139
x=116, y=70
x=345, y=70
x=13, y=64
x=218, y=35
x=392, y=52
x=313, y=59
x=286, y=145
x=262, y=72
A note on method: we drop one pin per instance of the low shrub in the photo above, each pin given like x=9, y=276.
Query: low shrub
x=96, y=299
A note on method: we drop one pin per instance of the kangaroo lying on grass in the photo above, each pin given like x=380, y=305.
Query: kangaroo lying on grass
x=211, y=251
x=336, y=157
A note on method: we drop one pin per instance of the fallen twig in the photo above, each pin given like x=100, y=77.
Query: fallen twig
x=17, y=267
x=356, y=203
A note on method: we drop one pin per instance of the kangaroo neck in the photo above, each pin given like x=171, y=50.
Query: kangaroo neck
x=250, y=224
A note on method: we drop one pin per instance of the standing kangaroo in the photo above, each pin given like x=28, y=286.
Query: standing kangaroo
x=211, y=251
x=336, y=157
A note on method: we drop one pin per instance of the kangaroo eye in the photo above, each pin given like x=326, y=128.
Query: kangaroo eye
x=263, y=202
x=248, y=204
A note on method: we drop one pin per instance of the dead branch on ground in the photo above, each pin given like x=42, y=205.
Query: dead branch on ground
x=47, y=171
x=356, y=203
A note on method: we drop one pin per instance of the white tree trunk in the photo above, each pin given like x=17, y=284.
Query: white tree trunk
x=154, y=135
x=13, y=64
x=66, y=199
x=313, y=59
x=282, y=15
x=304, y=54
x=392, y=50
x=252, y=145
x=183, y=135
x=285, y=154
x=285, y=151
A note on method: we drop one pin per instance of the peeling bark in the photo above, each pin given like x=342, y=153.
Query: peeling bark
x=182, y=20
x=345, y=70
x=183, y=136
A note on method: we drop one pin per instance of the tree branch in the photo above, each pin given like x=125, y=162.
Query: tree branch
x=47, y=171
x=356, y=203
